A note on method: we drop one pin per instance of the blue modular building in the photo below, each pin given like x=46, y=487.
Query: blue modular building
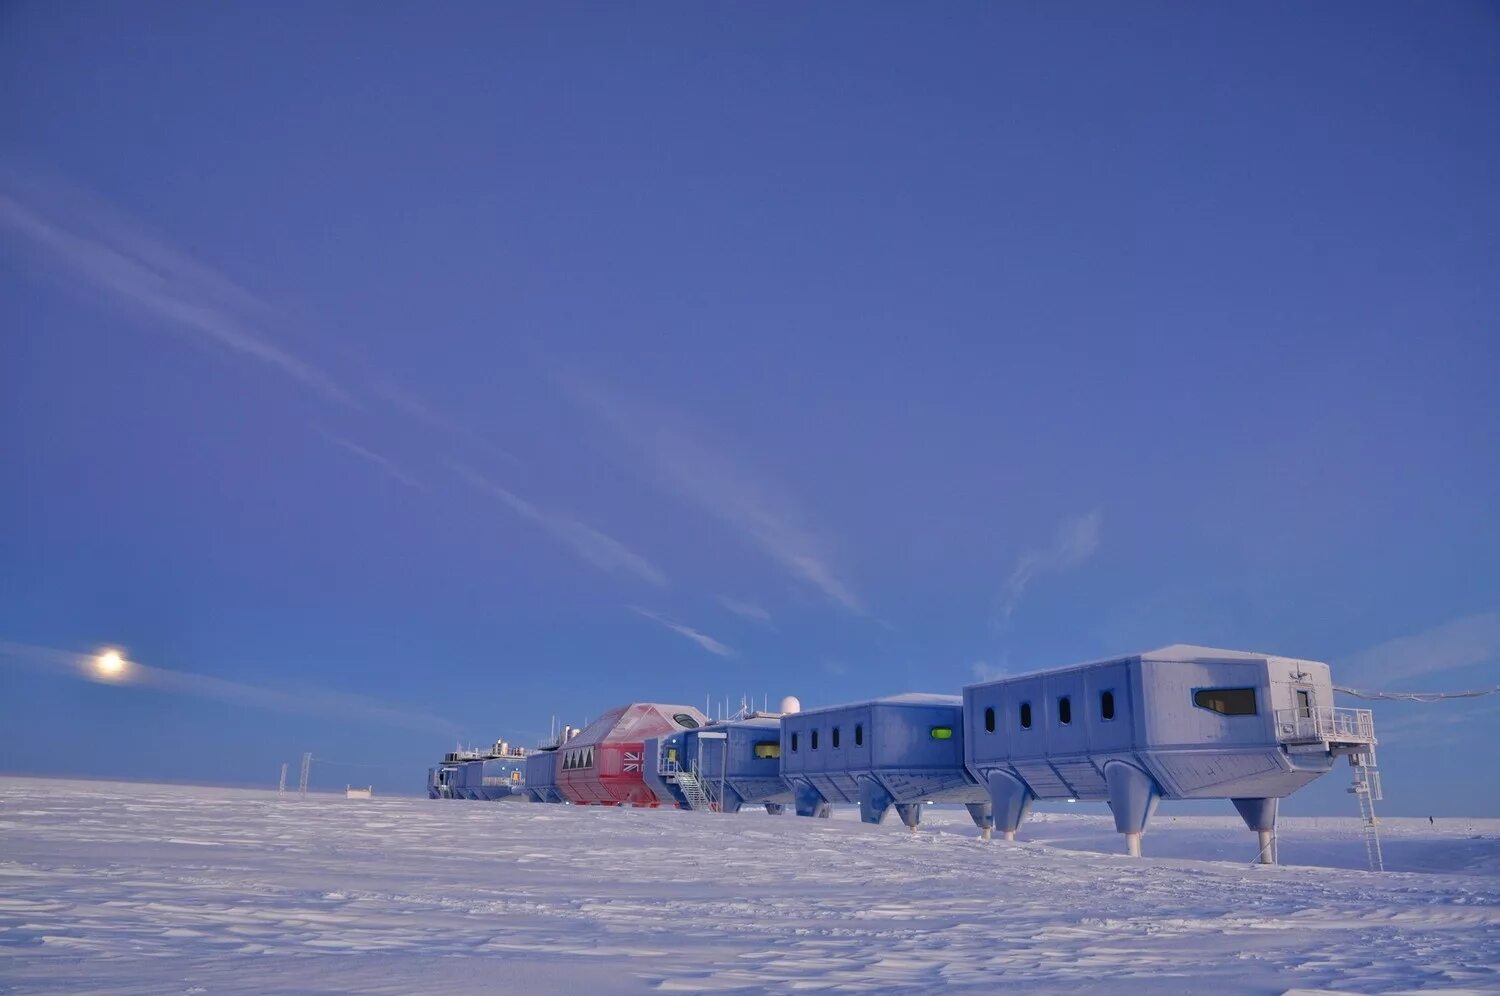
x=498, y=773
x=1181, y=722
x=899, y=751
x=469, y=780
x=740, y=762
x=501, y=777
x=449, y=780
x=721, y=766
x=540, y=779
x=664, y=759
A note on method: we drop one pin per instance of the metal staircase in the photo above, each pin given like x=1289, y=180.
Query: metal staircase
x=696, y=791
x=1366, y=789
x=1347, y=732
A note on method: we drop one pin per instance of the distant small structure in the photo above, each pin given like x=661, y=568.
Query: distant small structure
x=350, y=792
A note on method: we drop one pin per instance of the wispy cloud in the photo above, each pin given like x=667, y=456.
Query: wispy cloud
x=406, y=402
x=1455, y=645
x=706, y=476
x=604, y=552
x=384, y=463
x=986, y=671
x=109, y=254
x=1076, y=541
x=321, y=703
x=701, y=639
x=745, y=609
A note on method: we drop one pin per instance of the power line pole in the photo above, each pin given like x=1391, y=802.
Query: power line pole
x=306, y=770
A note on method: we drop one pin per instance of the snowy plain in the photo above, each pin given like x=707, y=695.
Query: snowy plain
x=129, y=888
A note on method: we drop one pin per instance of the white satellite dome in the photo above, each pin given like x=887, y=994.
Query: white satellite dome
x=790, y=704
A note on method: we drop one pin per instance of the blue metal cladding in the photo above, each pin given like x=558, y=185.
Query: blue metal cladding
x=501, y=777
x=471, y=780
x=541, y=776
x=1142, y=712
x=743, y=761
x=672, y=747
x=899, y=751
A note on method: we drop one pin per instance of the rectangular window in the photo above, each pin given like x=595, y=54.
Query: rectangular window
x=1304, y=703
x=768, y=749
x=1226, y=701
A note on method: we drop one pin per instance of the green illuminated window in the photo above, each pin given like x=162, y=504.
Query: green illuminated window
x=942, y=732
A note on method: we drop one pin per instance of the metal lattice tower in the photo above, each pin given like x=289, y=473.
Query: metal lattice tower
x=281, y=786
x=306, y=770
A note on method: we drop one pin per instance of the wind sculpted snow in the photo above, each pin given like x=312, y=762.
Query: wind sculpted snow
x=149, y=889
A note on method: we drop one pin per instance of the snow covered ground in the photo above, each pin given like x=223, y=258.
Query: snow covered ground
x=156, y=889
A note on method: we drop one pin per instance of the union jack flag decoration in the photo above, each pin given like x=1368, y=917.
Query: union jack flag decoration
x=632, y=761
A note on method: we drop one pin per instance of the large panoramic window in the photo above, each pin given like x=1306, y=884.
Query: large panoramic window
x=1025, y=715
x=1106, y=705
x=1226, y=701
x=1064, y=710
x=989, y=720
x=768, y=749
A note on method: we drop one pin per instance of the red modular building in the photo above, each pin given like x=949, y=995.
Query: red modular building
x=603, y=764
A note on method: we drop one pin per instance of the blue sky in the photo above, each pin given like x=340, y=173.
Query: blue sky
x=361, y=363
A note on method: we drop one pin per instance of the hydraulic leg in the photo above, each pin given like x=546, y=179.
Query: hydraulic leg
x=1010, y=799
x=1260, y=815
x=874, y=800
x=983, y=815
x=1132, y=798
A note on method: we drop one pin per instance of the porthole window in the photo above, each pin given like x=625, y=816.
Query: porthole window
x=1025, y=715
x=1064, y=710
x=989, y=720
x=794, y=743
x=1226, y=701
x=812, y=739
x=835, y=738
x=1106, y=705
x=941, y=733
x=859, y=734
